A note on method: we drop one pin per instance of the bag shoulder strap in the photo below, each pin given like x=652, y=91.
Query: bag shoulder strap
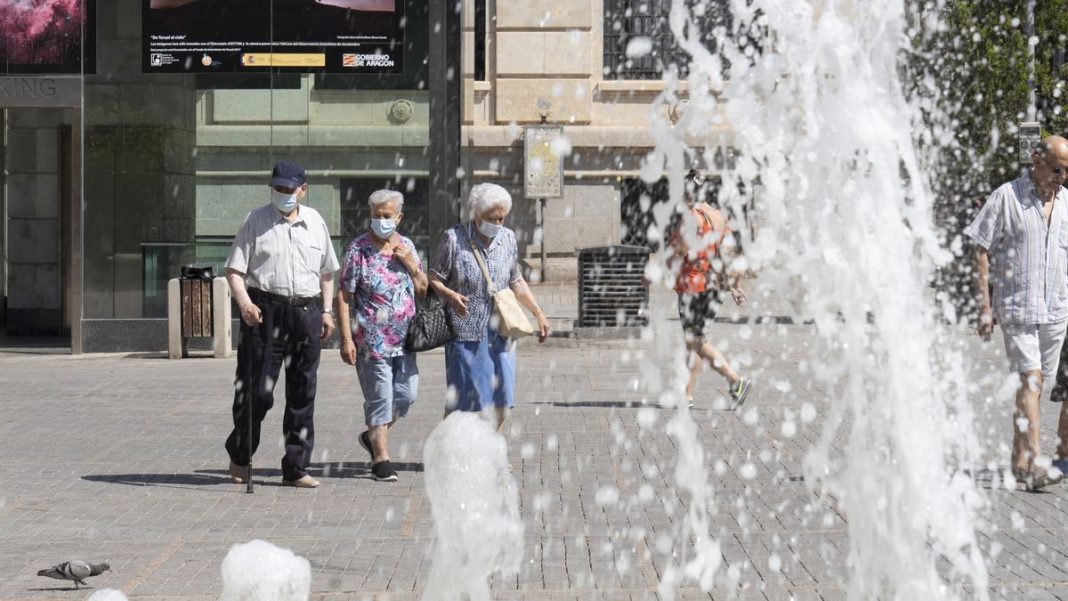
x=482, y=264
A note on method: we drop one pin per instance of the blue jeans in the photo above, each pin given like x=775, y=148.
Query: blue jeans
x=389, y=387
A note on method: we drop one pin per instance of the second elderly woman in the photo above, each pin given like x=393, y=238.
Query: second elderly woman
x=480, y=363
x=381, y=276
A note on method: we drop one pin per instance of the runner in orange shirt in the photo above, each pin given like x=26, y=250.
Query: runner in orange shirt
x=699, y=260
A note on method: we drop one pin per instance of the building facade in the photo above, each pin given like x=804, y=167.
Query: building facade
x=118, y=174
x=568, y=61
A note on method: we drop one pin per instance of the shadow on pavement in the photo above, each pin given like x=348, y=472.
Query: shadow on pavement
x=357, y=469
x=620, y=404
x=260, y=477
x=172, y=480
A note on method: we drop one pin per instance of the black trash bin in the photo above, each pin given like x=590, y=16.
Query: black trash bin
x=610, y=287
x=196, y=294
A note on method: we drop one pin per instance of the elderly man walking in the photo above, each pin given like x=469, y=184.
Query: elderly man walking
x=1021, y=237
x=281, y=272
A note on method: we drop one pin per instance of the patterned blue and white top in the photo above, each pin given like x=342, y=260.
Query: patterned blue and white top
x=458, y=268
x=1029, y=260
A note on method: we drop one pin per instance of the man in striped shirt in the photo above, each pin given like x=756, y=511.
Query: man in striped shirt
x=281, y=272
x=1021, y=237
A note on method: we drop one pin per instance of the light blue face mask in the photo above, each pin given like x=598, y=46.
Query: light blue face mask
x=383, y=228
x=282, y=201
x=489, y=230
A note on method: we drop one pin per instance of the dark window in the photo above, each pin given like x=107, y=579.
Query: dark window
x=356, y=214
x=638, y=199
x=636, y=209
x=625, y=20
x=480, y=40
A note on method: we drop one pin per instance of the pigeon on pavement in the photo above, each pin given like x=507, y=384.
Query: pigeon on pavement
x=75, y=570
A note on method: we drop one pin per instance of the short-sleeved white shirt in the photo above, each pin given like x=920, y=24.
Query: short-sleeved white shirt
x=282, y=257
x=1029, y=260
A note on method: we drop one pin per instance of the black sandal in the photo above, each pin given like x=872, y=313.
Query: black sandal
x=1035, y=479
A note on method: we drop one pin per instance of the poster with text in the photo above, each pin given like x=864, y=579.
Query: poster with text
x=47, y=36
x=248, y=36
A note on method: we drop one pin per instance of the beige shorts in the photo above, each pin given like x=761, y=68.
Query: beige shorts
x=1034, y=346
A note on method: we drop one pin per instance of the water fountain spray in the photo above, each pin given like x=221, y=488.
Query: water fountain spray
x=820, y=124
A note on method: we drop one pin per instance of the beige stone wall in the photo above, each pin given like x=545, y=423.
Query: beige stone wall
x=552, y=50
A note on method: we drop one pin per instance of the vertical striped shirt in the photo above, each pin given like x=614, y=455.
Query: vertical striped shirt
x=282, y=257
x=1028, y=259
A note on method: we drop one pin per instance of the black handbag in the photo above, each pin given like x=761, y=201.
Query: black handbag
x=430, y=327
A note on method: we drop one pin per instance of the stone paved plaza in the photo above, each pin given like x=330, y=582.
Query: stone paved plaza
x=120, y=459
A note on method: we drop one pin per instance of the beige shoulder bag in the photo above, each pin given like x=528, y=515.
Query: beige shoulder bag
x=508, y=317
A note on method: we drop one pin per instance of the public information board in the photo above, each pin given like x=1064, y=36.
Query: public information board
x=543, y=163
x=47, y=37
x=1030, y=135
x=247, y=36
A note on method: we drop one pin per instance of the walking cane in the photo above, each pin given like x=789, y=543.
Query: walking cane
x=247, y=342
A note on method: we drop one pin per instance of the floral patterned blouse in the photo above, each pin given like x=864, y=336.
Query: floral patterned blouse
x=383, y=297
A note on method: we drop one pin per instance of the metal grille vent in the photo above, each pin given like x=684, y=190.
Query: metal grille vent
x=610, y=286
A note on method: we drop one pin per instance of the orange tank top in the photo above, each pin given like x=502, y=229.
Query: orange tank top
x=693, y=273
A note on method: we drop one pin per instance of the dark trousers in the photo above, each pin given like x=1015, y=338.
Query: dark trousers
x=288, y=335
x=1060, y=388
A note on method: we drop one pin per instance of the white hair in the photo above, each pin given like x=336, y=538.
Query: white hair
x=379, y=197
x=485, y=197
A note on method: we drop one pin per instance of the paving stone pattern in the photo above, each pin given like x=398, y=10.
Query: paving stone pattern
x=120, y=458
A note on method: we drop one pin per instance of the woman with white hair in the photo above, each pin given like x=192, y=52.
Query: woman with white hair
x=381, y=276
x=480, y=363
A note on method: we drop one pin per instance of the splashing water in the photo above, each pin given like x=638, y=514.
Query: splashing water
x=107, y=594
x=475, y=504
x=260, y=571
x=818, y=117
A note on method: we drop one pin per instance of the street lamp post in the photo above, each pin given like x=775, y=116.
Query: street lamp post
x=1029, y=30
x=541, y=216
x=1030, y=131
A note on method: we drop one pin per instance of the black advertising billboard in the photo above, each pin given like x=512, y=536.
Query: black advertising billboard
x=47, y=36
x=249, y=36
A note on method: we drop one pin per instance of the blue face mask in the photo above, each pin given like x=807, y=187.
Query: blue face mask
x=383, y=228
x=489, y=230
x=282, y=201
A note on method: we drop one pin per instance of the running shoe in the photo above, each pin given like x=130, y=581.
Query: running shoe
x=383, y=472
x=739, y=391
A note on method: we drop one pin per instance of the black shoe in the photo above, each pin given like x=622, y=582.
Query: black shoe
x=383, y=472
x=365, y=442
